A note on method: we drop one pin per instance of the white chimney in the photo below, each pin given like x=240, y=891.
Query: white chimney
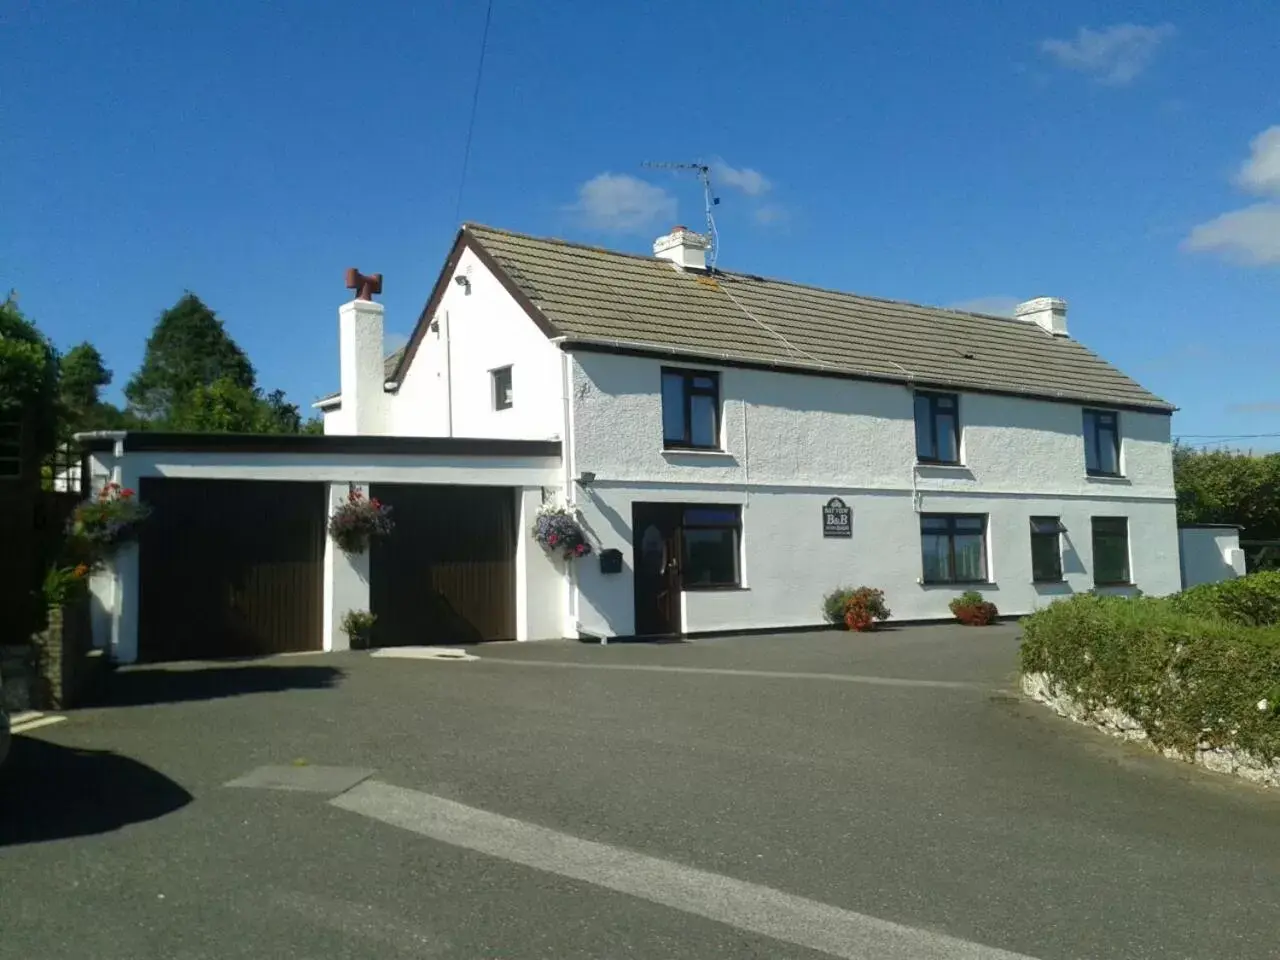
x=362, y=377
x=686, y=249
x=1047, y=313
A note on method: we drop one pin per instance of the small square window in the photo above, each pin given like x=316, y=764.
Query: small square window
x=502, y=397
x=711, y=537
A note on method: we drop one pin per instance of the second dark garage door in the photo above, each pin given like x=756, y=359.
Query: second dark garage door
x=446, y=573
x=230, y=568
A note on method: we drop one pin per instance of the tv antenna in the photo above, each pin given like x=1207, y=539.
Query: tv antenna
x=709, y=200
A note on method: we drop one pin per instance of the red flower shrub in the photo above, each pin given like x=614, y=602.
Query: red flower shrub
x=859, y=609
x=973, y=611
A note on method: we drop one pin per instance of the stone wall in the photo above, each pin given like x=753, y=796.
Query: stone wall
x=1237, y=762
x=65, y=661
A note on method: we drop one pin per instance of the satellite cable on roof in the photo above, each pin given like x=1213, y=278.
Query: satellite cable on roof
x=703, y=172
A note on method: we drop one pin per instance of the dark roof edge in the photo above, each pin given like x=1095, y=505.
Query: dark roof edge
x=145, y=441
x=672, y=354
x=463, y=241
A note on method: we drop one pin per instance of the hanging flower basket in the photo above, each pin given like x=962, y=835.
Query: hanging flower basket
x=104, y=522
x=558, y=529
x=357, y=520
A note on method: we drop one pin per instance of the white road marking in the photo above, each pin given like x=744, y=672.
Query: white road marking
x=424, y=653
x=746, y=906
x=728, y=672
x=35, y=723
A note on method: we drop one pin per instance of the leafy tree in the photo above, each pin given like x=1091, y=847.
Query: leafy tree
x=314, y=427
x=28, y=378
x=225, y=406
x=1221, y=486
x=84, y=374
x=189, y=348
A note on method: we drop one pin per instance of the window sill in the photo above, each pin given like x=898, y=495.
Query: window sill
x=711, y=587
x=1107, y=478
x=712, y=452
x=1050, y=583
x=1120, y=585
x=956, y=584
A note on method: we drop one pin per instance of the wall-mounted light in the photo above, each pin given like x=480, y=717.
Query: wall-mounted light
x=586, y=478
x=465, y=282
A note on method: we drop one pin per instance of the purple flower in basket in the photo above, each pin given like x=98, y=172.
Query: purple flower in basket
x=556, y=528
x=358, y=520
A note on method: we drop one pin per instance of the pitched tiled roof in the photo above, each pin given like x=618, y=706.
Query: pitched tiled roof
x=623, y=301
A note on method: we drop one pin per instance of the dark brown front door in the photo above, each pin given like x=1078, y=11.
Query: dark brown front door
x=655, y=531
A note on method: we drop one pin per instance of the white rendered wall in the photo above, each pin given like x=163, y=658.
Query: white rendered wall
x=480, y=328
x=1210, y=554
x=541, y=583
x=792, y=442
x=346, y=577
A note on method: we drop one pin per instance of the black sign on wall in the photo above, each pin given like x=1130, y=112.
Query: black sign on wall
x=837, y=519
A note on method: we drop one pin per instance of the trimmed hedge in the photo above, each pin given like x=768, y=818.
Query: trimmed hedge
x=1189, y=679
x=1253, y=600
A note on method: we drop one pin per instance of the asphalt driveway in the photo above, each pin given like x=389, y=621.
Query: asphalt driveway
x=784, y=796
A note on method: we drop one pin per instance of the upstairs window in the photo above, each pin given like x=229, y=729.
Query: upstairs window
x=954, y=547
x=502, y=397
x=1102, y=443
x=1111, y=551
x=1046, y=549
x=937, y=428
x=690, y=409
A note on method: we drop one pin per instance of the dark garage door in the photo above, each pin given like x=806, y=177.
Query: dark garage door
x=230, y=568
x=446, y=573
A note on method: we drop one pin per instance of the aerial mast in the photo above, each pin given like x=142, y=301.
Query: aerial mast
x=709, y=200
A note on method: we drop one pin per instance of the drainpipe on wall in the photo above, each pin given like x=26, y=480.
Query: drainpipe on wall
x=448, y=373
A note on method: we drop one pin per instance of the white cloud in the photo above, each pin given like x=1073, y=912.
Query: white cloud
x=771, y=213
x=619, y=202
x=751, y=182
x=1112, y=56
x=995, y=306
x=1260, y=406
x=1261, y=172
x=1251, y=235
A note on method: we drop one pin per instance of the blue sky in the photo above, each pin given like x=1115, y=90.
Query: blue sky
x=1123, y=156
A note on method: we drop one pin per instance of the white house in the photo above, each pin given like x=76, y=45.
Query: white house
x=734, y=446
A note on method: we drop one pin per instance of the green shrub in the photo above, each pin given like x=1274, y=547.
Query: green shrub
x=1253, y=600
x=358, y=626
x=1186, y=679
x=855, y=608
x=834, y=604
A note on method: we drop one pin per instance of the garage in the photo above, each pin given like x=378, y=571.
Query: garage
x=447, y=572
x=230, y=568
